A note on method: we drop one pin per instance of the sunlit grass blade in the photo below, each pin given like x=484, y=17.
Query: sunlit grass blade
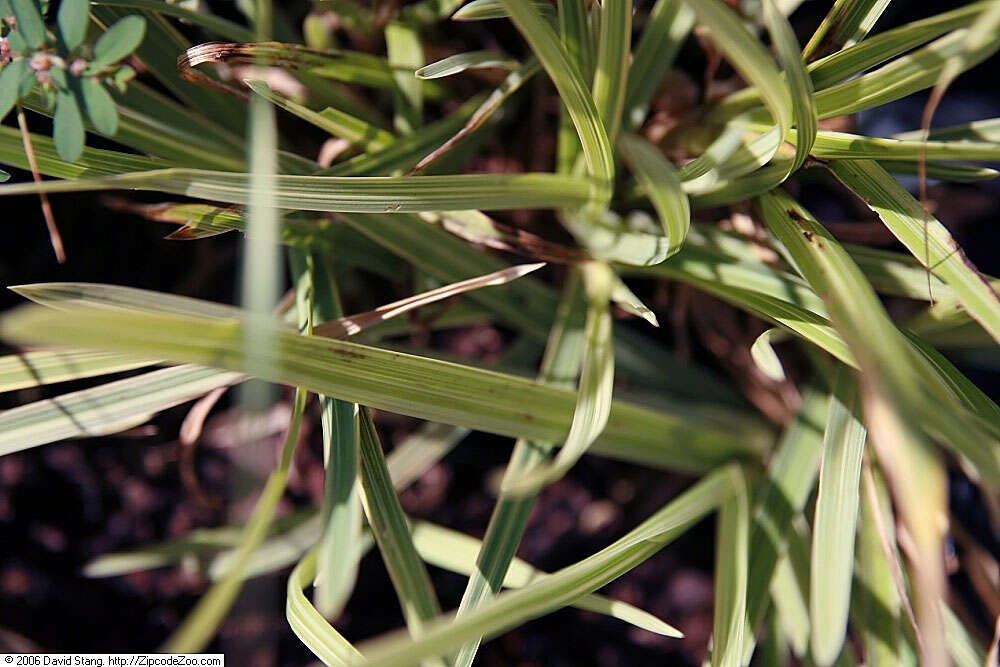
x=789, y=589
x=956, y=173
x=308, y=624
x=904, y=216
x=203, y=621
x=764, y=356
x=340, y=513
x=485, y=110
x=461, y=62
x=987, y=130
x=731, y=558
x=347, y=326
x=86, y=412
x=336, y=122
x=405, y=55
x=92, y=162
x=836, y=518
x=626, y=299
x=562, y=587
x=847, y=23
x=668, y=25
x=374, y=377
x=983, y=30
x=573, y=91
x=748, y=57
x=791, y=476
x=799, y=84
x=481, y=10
x=560, y=367
x=593, y=404
x=853, y=60
x=97, y=295
x=42, y=367
x=843, y=146
x=455, y=551
x=612, y=68
x=904, y=76
x=388, y=523
x=156, y=138
x=916, y=475
x=963, y=648
x=659, y=180
x=876, y=607
x=370, y=194
x=879, y=347
x=406, y=151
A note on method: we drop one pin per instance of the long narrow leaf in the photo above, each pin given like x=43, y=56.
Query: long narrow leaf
x=836, y=521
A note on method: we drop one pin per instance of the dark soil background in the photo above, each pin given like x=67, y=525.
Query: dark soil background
x=64, y=504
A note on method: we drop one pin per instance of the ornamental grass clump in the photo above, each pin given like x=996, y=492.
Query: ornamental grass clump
x=827, y=479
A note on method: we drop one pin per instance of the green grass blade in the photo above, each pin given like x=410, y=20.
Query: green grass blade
x=461, y=62
x=963, y=648
x=987, y=130
x=159, y=139
x=957, y=173
x=593, y=404
x=560, y=366
x=842, y=146
x=406, y=56
x=731, y=547
x=97, y=295
x=799, y=84
x=42, y=367
x=789, y=589
x=748, y=57
x=490, y=105
x=904, y=76
x=572, y=90
x=388, y=523
x=791, y=476
x=906, y=219
x=203, y=621
x=371, y=376
x=668, y=26
x=659, y=180
x=92, y=162
x=612, y=68
x=765, y=357
x=341, y=512
x=309, y=625
x=84, y=413
x=876, y=608
x=881, y=351
x=559, y=589
x=456, y=552
x=835, y=522
x=853, y=60
x=481, y=10
x=847, y=23
x=371, y=194
x=336, y=122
